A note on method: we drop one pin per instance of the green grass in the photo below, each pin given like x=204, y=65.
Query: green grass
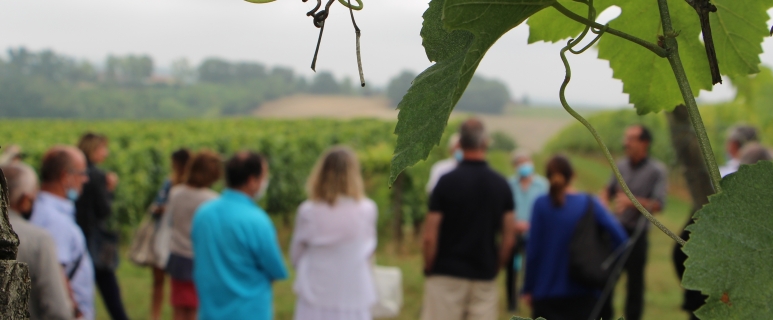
x=662, y=300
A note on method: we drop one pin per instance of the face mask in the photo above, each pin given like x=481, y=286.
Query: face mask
x=262, y=192
x=72, y=194
x=459, y=155
x=526, y=169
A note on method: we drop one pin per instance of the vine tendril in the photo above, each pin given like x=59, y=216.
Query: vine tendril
x=562, y=95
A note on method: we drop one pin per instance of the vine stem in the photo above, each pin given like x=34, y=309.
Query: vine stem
x=672, y=47
x=588, y=22
x=562, y=95
x=608, y=155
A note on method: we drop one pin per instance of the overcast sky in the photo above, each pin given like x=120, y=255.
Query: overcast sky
x=279, y=33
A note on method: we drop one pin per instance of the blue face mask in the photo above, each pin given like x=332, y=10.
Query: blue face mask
x=526, y=169
x=72, y=194
x=459, y=155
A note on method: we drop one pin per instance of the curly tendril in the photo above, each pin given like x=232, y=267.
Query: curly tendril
x=562, y=95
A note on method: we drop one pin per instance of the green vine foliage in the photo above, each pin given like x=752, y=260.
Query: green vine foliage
x=729, y=250
x=730, y=247
x=457, y=33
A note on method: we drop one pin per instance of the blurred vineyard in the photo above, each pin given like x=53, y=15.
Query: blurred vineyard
x=611, y=125
x=139, y=154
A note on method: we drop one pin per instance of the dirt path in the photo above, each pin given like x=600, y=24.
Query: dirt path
x=531, y=132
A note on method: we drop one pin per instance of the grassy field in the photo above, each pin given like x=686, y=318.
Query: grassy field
x=663, y=297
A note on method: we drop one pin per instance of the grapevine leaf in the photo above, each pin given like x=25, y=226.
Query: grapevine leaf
x=729, y=252
x=648, y=79
x=474, y=26
x=739, y=28
x=552, y=26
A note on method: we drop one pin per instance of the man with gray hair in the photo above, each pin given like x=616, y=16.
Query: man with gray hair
x=470, y=208
x=737, y=137
x=48, y=297
x=63, y=174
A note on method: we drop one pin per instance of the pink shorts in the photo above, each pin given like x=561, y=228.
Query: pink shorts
x=184, y=294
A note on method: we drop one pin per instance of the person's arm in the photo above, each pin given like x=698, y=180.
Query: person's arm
x=50, y=283
x=430, y=239
x=653, y=204
x=609, y=192
x=75, y=311
x=269, y=255
x=533, y=250
x=101, y=198
x=508, y=238
x=298, y=242
x=608, y=222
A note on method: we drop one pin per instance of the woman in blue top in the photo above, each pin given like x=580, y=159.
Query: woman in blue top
x=548, y=287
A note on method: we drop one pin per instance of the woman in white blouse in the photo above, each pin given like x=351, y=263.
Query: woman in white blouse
x=333, y=241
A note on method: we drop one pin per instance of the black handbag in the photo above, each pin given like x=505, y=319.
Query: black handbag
x=588, y=250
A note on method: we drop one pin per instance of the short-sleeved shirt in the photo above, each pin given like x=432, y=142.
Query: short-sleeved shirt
x=472, y=200
x=237, y=259
x=525, y=198
x=647, y=179
x=56, y=215
x=48, y=297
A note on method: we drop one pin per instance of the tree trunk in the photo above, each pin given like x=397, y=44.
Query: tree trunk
x=14, y=276
x=689, y=156
x=397, y=210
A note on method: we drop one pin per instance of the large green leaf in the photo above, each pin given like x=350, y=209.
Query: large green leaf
x=731, y=247
x=648, y=79
x=739, y=28
x=473, y=27
x=552, y=26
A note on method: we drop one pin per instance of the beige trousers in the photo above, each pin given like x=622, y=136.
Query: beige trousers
x=449, y=298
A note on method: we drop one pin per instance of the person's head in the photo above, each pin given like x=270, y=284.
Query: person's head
x=472, y=136
x=180, y=160
x=247, y=171
x=11, y=153
x=737, y=137
x=637, y=141
x=523, y=163
x=63, y=172
x=754, y=152
x=22, y=186
x=336, y=173
x=94, y=146
x=560, y=174
x=203, y=170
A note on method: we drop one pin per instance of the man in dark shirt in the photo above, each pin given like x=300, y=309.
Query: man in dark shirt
x=648, y=180
x=470, y=208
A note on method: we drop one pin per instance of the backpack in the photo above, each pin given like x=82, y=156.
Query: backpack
x=588, y=250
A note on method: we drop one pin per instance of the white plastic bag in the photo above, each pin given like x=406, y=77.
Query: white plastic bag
x=389, y=285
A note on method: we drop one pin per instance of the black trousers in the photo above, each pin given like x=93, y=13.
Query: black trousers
x=634, y=269
x=693, y=300
x=111, y=293
x=511, y=280
x=573, y=308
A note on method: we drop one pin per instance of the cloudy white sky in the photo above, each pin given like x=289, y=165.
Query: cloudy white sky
x=279, y=33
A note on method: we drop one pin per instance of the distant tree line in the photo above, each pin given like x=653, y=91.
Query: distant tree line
x=482, y=95
x=45, y=84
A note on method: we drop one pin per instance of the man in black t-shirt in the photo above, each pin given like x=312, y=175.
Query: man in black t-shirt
x=470, y=208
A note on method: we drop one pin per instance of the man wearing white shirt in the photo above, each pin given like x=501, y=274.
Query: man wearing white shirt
x=62, y=175
x=442, y=167
x=737, y=137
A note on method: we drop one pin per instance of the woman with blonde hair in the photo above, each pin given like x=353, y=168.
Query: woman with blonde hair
x=333, y=241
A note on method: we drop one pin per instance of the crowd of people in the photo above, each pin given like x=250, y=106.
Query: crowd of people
x=222, y=255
